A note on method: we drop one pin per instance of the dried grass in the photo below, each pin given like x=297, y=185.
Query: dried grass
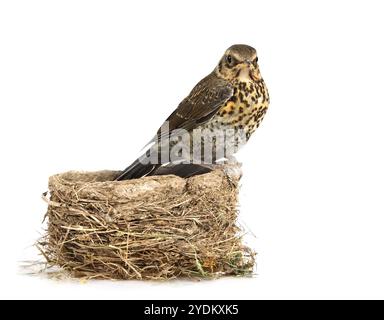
x=158, y=227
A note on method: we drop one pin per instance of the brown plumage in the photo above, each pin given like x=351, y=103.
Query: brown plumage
x=233, y=97
x=206, y=98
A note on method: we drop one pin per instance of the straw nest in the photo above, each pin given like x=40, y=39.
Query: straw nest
x=157, y=227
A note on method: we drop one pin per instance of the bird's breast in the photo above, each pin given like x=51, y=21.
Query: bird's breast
x=245, y=109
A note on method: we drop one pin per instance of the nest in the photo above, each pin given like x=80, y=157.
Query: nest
x=158, y=227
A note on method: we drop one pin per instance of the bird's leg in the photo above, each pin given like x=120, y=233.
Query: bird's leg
x=230, y=160
x=231, y=168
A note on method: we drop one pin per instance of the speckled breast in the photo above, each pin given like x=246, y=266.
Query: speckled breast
x=242, y=114
x=245, y=110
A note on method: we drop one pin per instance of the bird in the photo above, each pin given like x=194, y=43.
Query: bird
x=232, y=98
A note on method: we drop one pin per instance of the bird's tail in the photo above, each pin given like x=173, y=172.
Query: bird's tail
x=182, y=170
x=137, y=170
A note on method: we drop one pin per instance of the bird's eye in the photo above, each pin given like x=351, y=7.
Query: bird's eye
x=229, y=59
x=256, y=60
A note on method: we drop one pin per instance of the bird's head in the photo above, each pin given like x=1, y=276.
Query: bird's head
x=239, y=62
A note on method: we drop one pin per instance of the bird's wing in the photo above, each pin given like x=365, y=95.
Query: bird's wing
x=199, y=106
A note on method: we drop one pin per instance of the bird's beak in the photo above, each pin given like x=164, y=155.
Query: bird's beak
x=248, y=63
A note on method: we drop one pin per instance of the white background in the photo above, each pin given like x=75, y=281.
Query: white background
x=84, y=84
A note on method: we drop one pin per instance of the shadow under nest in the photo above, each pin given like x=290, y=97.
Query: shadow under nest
x=156, y=227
